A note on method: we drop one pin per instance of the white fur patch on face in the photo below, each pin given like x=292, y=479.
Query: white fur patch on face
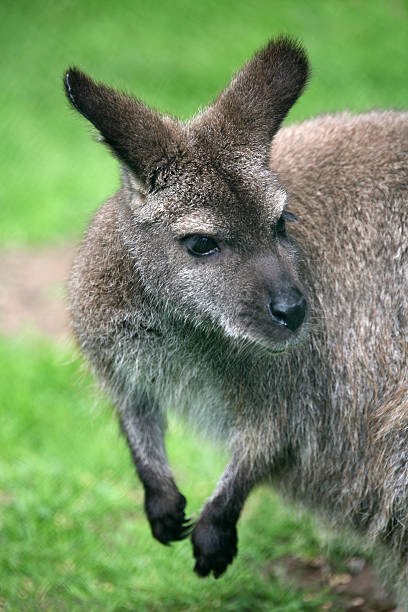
x=131, y=182
x=198, y=222
x=262, y=185
x=273, y=201
x=280, y=198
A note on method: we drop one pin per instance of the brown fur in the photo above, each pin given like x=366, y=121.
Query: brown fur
x=316, y=401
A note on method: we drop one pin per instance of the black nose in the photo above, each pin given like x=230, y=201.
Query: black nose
x=288, y=309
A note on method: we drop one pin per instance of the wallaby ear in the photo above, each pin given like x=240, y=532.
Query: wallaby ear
x=250, y=110
x=139, y=136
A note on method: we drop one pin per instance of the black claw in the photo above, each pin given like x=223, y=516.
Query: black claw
x=165, y=511
x=182, y=536
x=167, y=519
x=187, y=531
x=188, y=524
x=170, y=530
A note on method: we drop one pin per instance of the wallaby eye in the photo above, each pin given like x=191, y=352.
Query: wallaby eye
x=280, y=226
x=200, y=246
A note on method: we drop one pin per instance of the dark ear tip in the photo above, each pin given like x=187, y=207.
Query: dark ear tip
x=290, y=44
x=290, y=50
x=66, y=79
x=73, y=79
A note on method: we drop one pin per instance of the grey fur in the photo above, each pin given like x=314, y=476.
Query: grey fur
x=321, y=410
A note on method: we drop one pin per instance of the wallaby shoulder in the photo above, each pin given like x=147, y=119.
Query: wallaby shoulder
x=346, y=177
x=359, y=153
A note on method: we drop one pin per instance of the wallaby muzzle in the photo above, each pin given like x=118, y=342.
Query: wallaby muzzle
x=288, y=308
x=274, y=309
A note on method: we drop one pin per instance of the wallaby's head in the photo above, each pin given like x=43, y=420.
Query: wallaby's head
x=202, y=214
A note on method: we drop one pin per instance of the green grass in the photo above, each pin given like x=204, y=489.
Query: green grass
x=175, y=55
x=72, y=530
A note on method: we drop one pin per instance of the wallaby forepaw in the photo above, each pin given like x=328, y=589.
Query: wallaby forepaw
x=166, y=516
x=214, y=547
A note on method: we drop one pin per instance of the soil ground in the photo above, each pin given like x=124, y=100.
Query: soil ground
x=33, y=297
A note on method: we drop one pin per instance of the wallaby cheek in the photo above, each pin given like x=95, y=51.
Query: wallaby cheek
x=205, y=291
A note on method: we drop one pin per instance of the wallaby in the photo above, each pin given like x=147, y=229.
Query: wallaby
x=255, y=281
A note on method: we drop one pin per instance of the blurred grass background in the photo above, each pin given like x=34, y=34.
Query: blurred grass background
x=72, y=531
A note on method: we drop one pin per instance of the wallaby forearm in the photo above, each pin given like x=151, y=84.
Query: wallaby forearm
x=143, y=426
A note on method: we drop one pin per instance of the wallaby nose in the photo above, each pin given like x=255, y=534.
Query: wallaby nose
x=288, y=309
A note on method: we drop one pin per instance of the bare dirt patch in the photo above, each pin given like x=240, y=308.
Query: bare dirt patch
x=357, y=589
x=33, y=294
x=33, y=297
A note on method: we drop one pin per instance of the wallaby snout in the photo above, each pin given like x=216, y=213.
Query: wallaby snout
x=288, y=308
x=273, y=309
